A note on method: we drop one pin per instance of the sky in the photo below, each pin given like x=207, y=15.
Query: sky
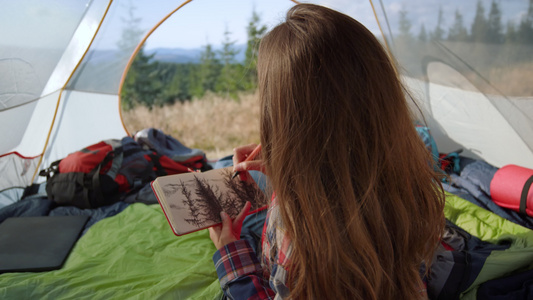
x=205, y=21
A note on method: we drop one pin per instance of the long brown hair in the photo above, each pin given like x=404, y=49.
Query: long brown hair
x=357, y=193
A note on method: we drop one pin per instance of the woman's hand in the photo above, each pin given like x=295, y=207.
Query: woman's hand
x=229, y=231
x=241, y=165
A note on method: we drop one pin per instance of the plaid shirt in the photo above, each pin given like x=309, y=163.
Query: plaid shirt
x=240, y=273
x=242, y=276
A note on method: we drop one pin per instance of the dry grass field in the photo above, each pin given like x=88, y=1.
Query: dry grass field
x=213, y=124
x=514, y=80
x=216, y=124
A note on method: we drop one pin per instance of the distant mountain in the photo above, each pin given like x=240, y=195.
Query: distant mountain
x=170, y=55
x=180, y=55
x=175, y=55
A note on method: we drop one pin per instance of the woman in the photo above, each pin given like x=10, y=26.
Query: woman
x=358, y=208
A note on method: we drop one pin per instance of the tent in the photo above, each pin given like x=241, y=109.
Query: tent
x=60, y=88
x=467, y=69
x=60, y=84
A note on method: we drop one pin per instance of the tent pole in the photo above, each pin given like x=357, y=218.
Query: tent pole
x=382, y=34
x=61, y=94
x=134, y=54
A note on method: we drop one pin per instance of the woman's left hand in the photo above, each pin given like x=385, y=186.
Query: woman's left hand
x=229, y=231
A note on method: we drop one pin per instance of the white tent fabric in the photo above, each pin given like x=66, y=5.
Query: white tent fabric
x=44, y=119
x=474, y=126
x=59, y=83
x=83, y=108
x=474, y=92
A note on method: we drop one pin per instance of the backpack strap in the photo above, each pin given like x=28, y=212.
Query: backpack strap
x=159, y=170
x=118, y=156
x=93, y=177
x=50, y=171
x=523, y=196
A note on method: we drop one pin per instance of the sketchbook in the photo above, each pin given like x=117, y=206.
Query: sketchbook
x=193, y=201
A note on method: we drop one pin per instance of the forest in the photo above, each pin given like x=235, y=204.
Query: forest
x=486, y=27
x=150, y=82
x=153, y=83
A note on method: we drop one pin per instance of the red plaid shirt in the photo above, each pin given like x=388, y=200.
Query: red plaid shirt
x=240, y=273
x=242, y=276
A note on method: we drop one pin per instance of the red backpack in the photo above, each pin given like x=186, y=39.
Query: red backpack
x=106, y=172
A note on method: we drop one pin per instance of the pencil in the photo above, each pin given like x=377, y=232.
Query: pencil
x=252, y=156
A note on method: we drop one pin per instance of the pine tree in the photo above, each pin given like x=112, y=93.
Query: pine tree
x=177, y=83
x=525, y=29
x=206, y=77
x=422, y=36
x=229, y=79
x=438, y=33
x=130, y=38
x=142, y=84
x=405, y=27
x=131, y=33
x=494, y=24
x=458, y=32
x=511, y=33
x=255, y=32
x=479, y=26
x=146, y=84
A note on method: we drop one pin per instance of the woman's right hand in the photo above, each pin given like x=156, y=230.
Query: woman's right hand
x=240, y=154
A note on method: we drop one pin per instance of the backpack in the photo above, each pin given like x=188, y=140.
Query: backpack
x=107, y=172
x=429, y=142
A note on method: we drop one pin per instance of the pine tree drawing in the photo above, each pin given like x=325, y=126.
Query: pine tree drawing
x=200, y=199
x=231, y=205
x=208, y=201
x=240, y=191
x=194, y=211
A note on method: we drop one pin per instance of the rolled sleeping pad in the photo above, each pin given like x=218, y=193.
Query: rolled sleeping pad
x=511, y=188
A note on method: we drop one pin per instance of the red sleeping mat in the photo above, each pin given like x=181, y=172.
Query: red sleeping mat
x=511, y=188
